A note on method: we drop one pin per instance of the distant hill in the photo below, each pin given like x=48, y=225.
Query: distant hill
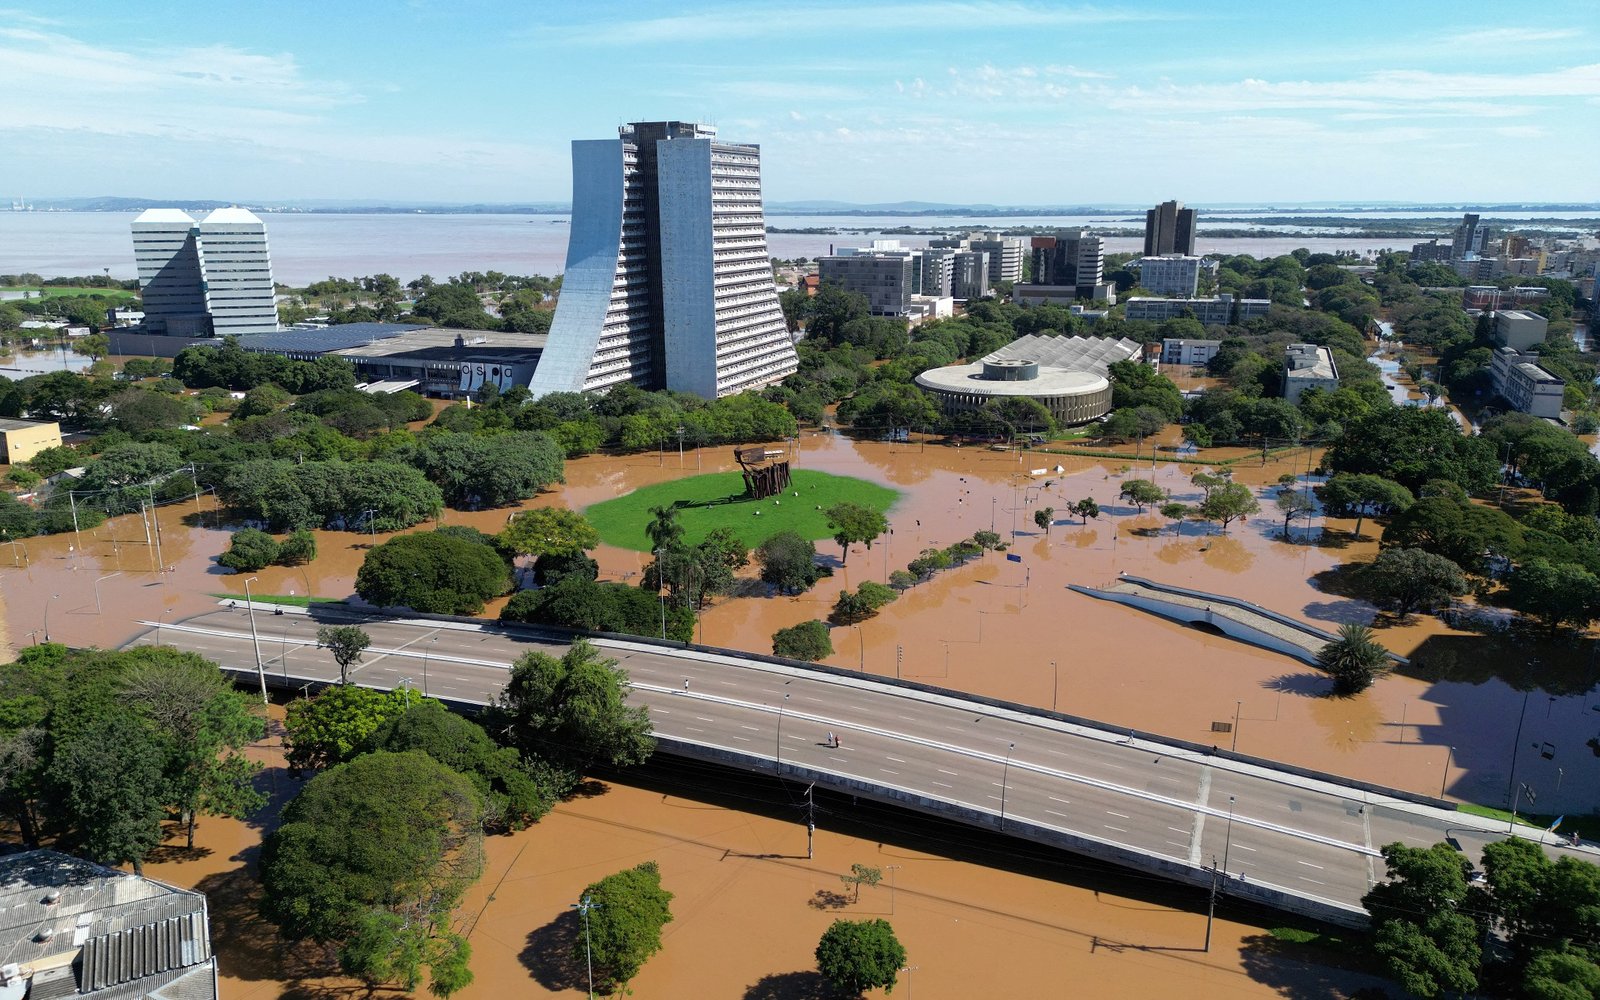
x=110, y=203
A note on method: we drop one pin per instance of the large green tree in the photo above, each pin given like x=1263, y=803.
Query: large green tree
x=332, y=727
x=206, y=723
x=549, y=531
x=859, y=955
x=1227, y=503
x=372, y=856
x=107, y=789
x=512, y=795
x=1360, y=495
x=1556, y=594
x=1469, y=535
x=789, y=563
x=1425, y=940
x=433, y=572
x=626, y=912
x=853, y=522
x=573, y=711
x=805, y=641
x=1407, y=580
x=1142, y=493
x=1412, y=445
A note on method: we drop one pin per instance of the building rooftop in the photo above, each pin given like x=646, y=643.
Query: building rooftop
x=1538, y=374
x=440, y=342
x=1309, y=361
x=1090, y=354
x=1051, y=381
x=13, y=424
x=164, y=215
x=327, y=339
x=1190, y=342
x=52, y=905
x=1519, y=314
x=231, y=215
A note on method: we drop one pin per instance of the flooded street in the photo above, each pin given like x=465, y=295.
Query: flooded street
x=993, y=627
x=977, y=916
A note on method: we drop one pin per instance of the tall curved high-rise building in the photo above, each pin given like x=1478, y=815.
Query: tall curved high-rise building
x=668, y=284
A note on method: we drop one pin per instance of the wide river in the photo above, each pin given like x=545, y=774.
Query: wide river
x=307, y=248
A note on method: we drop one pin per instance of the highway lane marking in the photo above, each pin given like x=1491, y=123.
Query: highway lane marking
x=1177, y=829
x=661, y=711
x=1061, y=814
x=943, y=771
x=1311, y=880
x=906, y=718
x=704, y=719
x=1243, y=847
x=885, y=770
x=1058, y=753
x=239, y=637
x=1308, y=864
x=1108, y=826
x=741, y=739
x=839, y=760
x=1118, y=815
x=1054, y=798
x=1181, y=844
x=942, y=784
x=753, y=729
x=897, y=760
x=694, y=729
x=1242, y=861
x=996, y=798
x=957, y=729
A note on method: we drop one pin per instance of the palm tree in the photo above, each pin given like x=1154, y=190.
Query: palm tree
x=1353, y=659
x=664, y=530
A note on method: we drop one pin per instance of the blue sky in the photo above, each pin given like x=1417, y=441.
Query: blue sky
x=968, y=101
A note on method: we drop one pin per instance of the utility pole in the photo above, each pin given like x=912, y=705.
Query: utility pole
x=1211, y=911
x=250, y=605
x=584, y=906
x=811, y=823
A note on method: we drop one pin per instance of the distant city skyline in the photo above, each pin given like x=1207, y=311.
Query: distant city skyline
x=949, y=101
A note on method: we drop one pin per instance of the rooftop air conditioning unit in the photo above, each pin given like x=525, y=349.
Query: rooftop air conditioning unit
x=52, y=897
x=10, y=971
x=45, y=934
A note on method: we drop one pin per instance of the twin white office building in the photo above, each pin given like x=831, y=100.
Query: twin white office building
x=204, y=278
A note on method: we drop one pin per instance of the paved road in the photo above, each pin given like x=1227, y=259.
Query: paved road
x=1305, y=837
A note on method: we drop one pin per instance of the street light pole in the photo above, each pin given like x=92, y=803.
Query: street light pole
x=1005, y=775
x=250, y=608
x=1237, y=707
x=583, y=907
x=47, y=604
x=1448, y=751
x=1055, y=688
x=660, y=596
x=1227, y=845
x=425, y=650
x=777, y=744
x=891, y=870
x=97, y=589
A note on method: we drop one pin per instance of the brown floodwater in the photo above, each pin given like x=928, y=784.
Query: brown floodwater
x=974, y=923
x=995, y=627
x=977, y=916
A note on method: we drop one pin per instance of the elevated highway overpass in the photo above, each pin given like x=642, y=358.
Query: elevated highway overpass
x=1287, y=838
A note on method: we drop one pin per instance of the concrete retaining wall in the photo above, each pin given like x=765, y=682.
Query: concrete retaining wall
x=1169, y=868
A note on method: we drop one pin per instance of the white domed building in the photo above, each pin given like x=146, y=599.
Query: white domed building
x=1068, y=375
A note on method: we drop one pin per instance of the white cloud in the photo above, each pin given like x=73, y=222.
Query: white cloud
x=899, y=19
x=1500, y=37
